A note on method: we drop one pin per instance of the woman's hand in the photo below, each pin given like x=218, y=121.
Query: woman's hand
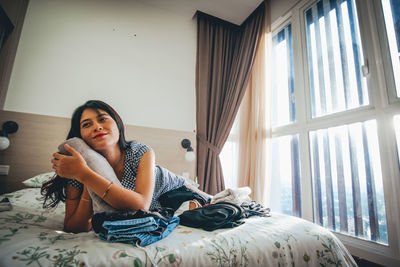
x=73, y=166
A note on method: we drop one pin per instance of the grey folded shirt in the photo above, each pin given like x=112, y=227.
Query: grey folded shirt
x=98, y=164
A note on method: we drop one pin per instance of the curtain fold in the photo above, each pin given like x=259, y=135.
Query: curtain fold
x=254, y=121
x=252, y=127
x=225, y=56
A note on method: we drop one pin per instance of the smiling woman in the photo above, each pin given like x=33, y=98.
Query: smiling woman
x=100, y=126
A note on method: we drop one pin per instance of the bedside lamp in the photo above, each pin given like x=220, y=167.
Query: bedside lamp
x=8, y=128
x=186, y=144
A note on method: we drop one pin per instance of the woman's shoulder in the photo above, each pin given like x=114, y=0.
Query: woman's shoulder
x=137, y=148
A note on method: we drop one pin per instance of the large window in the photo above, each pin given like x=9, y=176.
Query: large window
x=334, y=136
x=346, y=170
x=333, y=116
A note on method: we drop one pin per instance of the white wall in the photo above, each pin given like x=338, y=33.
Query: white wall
x=138, y=58
x=279, y=8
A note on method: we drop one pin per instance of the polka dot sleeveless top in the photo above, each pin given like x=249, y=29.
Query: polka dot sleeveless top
x=165, y=180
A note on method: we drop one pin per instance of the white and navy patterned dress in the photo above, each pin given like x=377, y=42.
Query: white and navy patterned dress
x=165, y=180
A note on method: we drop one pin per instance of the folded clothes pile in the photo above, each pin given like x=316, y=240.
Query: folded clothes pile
x=139, y=228
x=226, y=209
x=222, y=215
x=214, y=216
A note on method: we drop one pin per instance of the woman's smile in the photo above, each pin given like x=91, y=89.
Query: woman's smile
x=98, y=136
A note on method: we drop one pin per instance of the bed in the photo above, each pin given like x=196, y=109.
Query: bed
x=30, y=235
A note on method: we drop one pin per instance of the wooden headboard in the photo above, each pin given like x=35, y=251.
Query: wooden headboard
x=38, y=137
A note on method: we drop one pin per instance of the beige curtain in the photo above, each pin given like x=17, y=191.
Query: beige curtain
x=254, y=121
x=225, y=56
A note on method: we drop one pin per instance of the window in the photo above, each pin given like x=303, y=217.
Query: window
x=396, y=122
x=285, y=178
x=348, y=190
x=391, y=12
x=283, y=83
x=332, y=145
x=334, y=137
x=334, y=58
x=229, y=156
x=347, y=181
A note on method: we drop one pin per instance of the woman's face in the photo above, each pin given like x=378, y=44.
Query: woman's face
x=99, y=129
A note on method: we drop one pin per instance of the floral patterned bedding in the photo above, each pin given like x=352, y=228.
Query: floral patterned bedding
x=30, y=235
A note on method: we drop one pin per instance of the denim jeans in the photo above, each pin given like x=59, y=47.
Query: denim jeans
x=131, y=226
x=140, y=232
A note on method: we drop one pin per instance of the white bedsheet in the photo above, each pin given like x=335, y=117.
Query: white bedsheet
x=30, y=235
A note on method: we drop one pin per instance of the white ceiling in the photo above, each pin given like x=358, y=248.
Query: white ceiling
x=235, y=11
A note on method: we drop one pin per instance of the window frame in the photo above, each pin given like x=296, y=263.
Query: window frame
x=382, y=107
x=385, y=53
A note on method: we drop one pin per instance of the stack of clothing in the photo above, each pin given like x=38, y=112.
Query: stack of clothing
x=214, y=216
x=140, y=228
x=226, y=209
x=175, y=198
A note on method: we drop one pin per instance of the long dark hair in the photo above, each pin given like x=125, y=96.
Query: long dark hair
x=54, y=190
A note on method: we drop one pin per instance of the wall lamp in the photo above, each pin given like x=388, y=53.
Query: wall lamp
x=186, y=144
x=9, y=127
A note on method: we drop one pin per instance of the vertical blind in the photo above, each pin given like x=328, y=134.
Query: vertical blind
x=347, y=181
x=335, y=58
x=346, y=171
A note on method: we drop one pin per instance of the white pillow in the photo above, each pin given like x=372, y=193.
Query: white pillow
x=39, y=179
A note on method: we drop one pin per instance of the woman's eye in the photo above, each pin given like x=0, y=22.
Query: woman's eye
x=85, y=125
x=103, y=119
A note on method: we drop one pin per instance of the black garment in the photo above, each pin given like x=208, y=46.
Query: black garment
x=174, y=198
x=214, y=216
x=98, y=219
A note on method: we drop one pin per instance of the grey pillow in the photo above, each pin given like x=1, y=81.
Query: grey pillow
x=98, y=164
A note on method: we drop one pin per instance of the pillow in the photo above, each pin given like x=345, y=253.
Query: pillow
x=98, y=164
x=39, y=179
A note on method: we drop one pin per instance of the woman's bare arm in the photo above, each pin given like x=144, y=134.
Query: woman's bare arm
x=122, y=198
x=75, y=167
x=78, y=210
